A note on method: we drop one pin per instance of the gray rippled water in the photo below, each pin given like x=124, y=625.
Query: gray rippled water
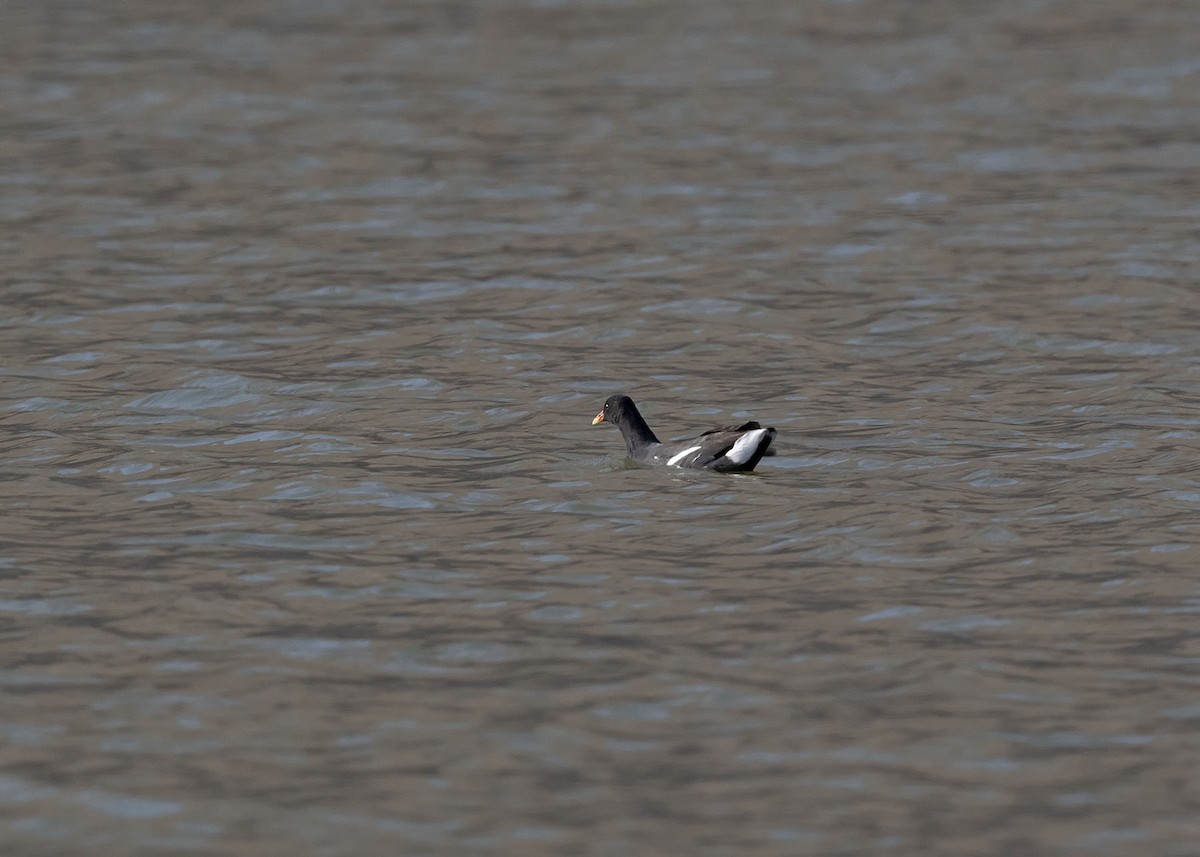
x=309, y=546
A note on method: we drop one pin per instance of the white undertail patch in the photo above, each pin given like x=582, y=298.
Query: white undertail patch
x=745, y=446
x=679, y=456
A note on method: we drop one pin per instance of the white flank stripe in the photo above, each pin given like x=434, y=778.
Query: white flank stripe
x=679, y=456
x=745, y=446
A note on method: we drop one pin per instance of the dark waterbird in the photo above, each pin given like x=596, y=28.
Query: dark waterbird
x=727, y=449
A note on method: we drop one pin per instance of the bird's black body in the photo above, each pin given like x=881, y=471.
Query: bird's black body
x=727, y=449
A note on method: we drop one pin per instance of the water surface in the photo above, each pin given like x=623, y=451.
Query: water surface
x=309, y=546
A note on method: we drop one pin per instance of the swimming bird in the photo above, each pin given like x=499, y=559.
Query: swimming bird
x=727, y=449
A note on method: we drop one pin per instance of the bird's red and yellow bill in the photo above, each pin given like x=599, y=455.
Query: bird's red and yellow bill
x=599, y=419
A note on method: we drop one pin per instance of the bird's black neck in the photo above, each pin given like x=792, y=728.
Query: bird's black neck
x=634, y=429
